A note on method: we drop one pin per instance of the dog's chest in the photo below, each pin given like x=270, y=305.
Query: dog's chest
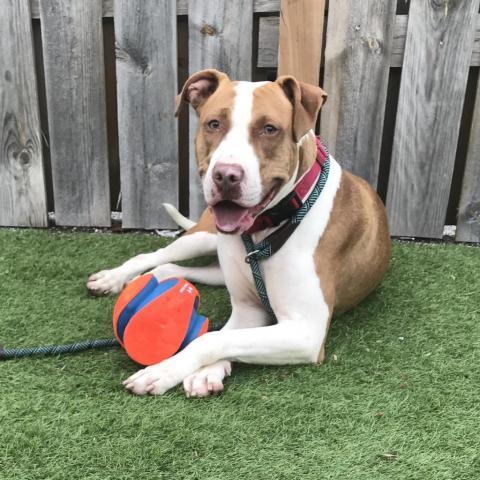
x=290, y=275
x=237, y=273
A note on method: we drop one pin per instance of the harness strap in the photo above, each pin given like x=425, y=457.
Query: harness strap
x=252, y=260
x=274, y=242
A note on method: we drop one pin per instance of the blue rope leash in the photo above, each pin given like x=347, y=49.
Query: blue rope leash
x=76, y=347
x=10, y=353
x=265, y=249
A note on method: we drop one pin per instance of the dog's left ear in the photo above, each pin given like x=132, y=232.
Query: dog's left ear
x=307, y=100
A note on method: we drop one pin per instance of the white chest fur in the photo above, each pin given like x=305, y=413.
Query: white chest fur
x=237, y=273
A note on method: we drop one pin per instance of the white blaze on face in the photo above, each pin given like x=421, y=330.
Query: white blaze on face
x=236, y=148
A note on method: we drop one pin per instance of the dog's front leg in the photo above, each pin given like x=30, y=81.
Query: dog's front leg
x=208, y=380
x=209, y=275
x=111, y=282
x=291, y=341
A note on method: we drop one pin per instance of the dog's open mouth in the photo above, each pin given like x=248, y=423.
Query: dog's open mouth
x=230, y=217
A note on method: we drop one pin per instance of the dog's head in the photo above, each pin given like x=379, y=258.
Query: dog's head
x=248, y=140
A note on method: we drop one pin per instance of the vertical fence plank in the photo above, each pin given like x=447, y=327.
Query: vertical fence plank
x=220, y=36
x=357, y=64
x=300, y=39
x=468, y=225
x=22, y=184
x=268, y=28
x=146, y=38
x=75, y=85
x=437, y=56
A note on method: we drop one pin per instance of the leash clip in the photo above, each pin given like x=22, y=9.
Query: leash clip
x=247, y=258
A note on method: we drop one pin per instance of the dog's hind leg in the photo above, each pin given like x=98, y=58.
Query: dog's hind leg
x=196, y=244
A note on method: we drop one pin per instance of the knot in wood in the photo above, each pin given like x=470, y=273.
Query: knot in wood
x=472, y=213
x=208, y=30
x=372, y=43
x=24, y=157
x=442, y=6
x=133, y=58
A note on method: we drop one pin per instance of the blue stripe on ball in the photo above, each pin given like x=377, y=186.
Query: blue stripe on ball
x=132, y=307
x=194, y=327
x=148, y=293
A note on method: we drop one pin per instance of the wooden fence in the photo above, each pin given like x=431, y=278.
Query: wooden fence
x=403, y=109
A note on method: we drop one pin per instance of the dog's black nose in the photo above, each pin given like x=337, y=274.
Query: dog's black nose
x=227, y=177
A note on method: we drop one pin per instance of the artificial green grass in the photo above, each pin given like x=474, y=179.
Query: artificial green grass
x=397, y=398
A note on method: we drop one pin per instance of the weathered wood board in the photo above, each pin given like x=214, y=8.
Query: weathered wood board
x=268, y=42
x=259, y=6
x=437, y=56
x=75, y=85
x=146, y=42
x=220, y=36
x=468, y=225
x=266, y=6
x=22, y=183
x=268, y=32
x=400, y=37
x=357, y=64
x=301, y=39
x=106, y=6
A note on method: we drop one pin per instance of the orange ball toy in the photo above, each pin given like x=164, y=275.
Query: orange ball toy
x=153, y=320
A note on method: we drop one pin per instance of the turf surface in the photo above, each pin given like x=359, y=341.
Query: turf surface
x=398, y=396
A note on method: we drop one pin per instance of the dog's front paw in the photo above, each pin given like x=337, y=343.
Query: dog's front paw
x=154, y=380
x=208, y=380
x=106, y=282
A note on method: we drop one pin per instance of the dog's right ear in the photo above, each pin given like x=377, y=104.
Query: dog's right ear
x=307, y=100
x=199, y=87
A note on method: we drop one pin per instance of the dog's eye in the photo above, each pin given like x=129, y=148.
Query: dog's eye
x=270, y=129
x=213, y=124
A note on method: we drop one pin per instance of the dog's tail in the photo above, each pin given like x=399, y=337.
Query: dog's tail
x=178, y=218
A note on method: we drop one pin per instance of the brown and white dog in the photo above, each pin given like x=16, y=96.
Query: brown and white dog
x=254, y=142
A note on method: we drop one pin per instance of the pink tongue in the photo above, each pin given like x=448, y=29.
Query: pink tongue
x=231, y=217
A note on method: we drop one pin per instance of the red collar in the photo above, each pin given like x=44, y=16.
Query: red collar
x=295, y=199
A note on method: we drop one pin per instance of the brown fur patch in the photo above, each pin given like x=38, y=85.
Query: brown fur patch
x=307, y=100
x=218, y=107
x=206, y=223
x=278, y=154
x=354, y=251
